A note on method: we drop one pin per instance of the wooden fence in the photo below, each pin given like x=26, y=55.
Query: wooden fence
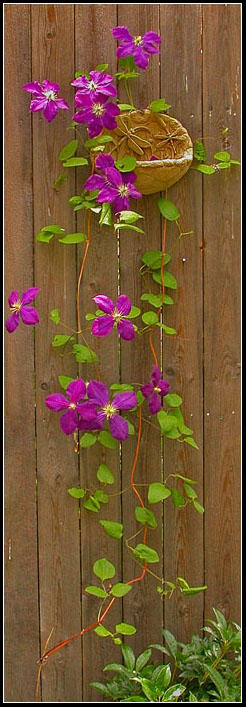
x=49, y=549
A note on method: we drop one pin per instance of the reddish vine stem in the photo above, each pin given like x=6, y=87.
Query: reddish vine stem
x=82, y=270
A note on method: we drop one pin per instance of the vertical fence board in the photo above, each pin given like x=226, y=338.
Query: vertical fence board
x=137, y=364
x=183, y=528
x=222, y=312
x=21, y=578
x=55, y=267
x=100, y=276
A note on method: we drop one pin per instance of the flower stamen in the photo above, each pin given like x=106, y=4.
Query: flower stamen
x=110, y=410
x=138, y=40
x=123, y=190
x=98, y=109
x=50, y=95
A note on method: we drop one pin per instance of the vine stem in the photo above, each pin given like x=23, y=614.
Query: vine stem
x=58, y=646
x=82, y=270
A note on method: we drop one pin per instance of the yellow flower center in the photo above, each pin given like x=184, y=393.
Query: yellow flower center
x=117, y=316
x=50, y=95
x=92, y=86
x=110, y=410
x=16, y=306
x=138, y=40
x=157, y=390
x=123, y=190
x=72, y=406
x=98, y=109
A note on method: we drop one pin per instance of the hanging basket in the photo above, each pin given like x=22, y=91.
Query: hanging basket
x=161, y=145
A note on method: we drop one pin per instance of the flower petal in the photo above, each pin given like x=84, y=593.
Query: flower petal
x=156, y=375
x=95, y=424
x=123, y=305
x=95, y=126
x=107, y=194
x=122, y=33
x=57, y=402
x=118, y=427
x=29, y=315
x=154, y=404
x=103, y=161
x=62, y=104
x=69, y=422
x=38, y=104
x=140, y=58
x=134, y=193
x=126, y=330
x=98, y=393
x=152, y=37
x=102, y=326
x=94, y=182
x=87, y=411
x=164, y=386
x=12, y=322
x=147, y=389
x=29, y=295
x=125, y=401
x=76, y=390
x=50, y=86
x=13, y=298
x=104, y=303
x=109, y=122
x=114, y=176
x=50, y=111
x=125, y=50
x=33, y=87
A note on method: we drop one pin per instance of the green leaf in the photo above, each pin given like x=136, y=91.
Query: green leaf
x=178, y=498
x=125, y=106
x=76, y=493
x=43, y=237
x=222, y=156
x=95, y=141
x=149, y=690
x=59, y=180
x=159, y=106
x=101, y=67
x=75, y=162
x=127, y=75
x=120, y=589
x=170, y=641
x=60, y=340
x=190, y=492
x=173, y=434
x=103, y=569
x=64, y=381
x=131, y=428
x=125, y=629
x=129, y=657
x=100, y=496
x=126, y=164
x=217, y=679
x=156, y=300
x=73, y=238
x=170, y=693
x=68, y=150
x=146, y=553
x=185, y=478
x=87, y=440
x=205, y=169
x=106, y=215
x=105, y=475
x=168, y=209
x=113, y=529
x=106, y=439
x=145, y=516
x=129, y=216
x=191, y=441
x=75, y=200
x=194, y=590
x=96, y=591
x=198, y=507
x=168, y=278
x=102, y=631
x=142, y=660
x=167, y=329
x=166, y=422
x=180, y=422
x=153, y=258
x=116, y=668
x=223, y=165
x=150, y=318
x=173, y=400
x=157, y=492
x=83, y=354
x=90, y=317
x=135, y=311
x=53, y=228
x=118, y=641
x=121, y=387
x=128, y=226
x=199, y=151
x=55, y=316
x=91, y=504
x=235, y=162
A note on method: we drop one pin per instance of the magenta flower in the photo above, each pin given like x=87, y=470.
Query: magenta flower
x=19, y=307
x=45, y=98
x=137, y=46
x=73, y=405
x=155, y=390
x=98, y=393
x=97, y=85
x=96, y=112
x=114, y=187
x=115, y=314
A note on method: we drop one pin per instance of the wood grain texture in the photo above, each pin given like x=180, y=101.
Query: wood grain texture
x=181, y=85
x=221, y=102
x=137, y=364
x=100, y=276
x=55, y=274
x=21, y=577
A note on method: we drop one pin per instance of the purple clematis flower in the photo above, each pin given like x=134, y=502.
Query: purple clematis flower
x=73, y=405
x=45, y=98
x=114, y=187
x=137, y=46
x=155, y=390
x=98, y=393
x=115, y=314
x=18, y=306
x=96, y=112
x=97, y=85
